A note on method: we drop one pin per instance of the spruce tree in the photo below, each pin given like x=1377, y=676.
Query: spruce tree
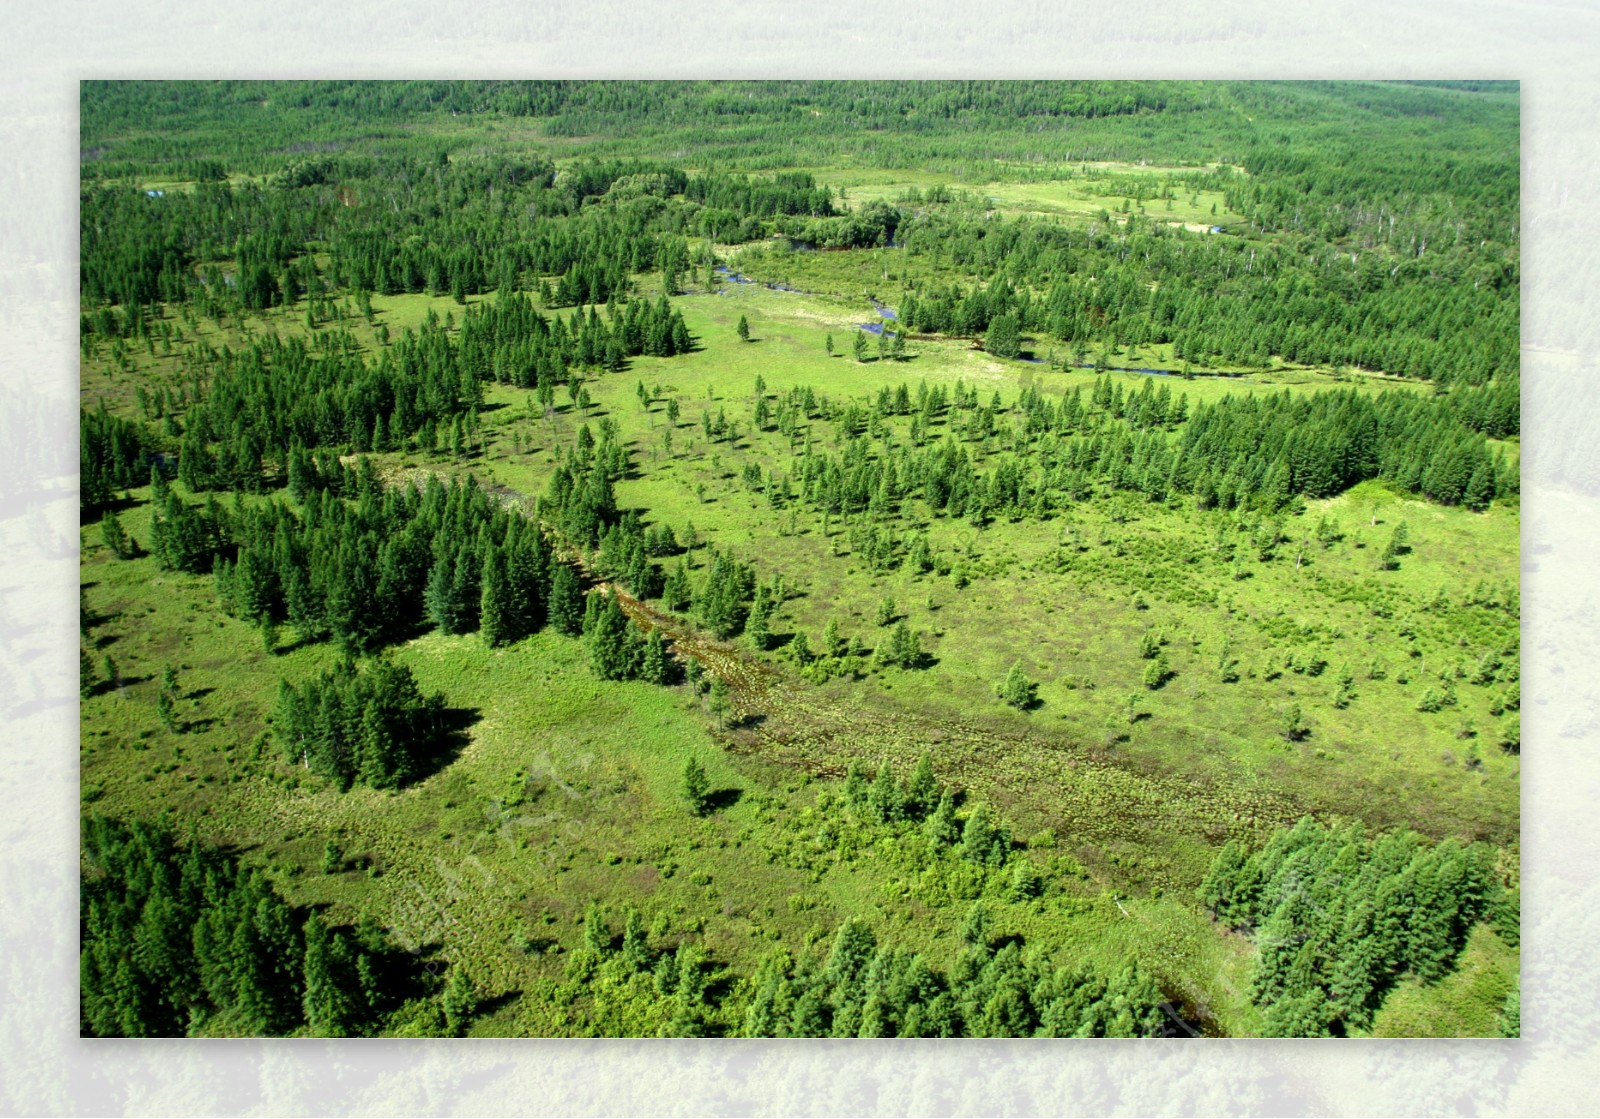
x=326, y=1004
x=942, y=827
x=458, y=1001
x=1016, y=689
x=495, y=619
x=903, y=648
x=87, y=680
x=611, y=652
x=655, y=668
x=115, y=538
x=922, y=794
x=696, y=787
x=884, y=799
x=566, y=600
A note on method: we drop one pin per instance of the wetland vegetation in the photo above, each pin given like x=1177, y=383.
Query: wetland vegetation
x=800, y=559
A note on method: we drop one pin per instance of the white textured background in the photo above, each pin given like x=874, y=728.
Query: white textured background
x=46, y=47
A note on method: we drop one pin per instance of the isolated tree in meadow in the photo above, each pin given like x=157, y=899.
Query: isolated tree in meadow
x=1156, y=672
x=903, y=647
x=166, y=711
x=718, y=699
x=1016, y=689
x=859, y=345
x=743, y=329
x=1293, y=726
x=886, y=611
x=696, y=787
x=828, y=345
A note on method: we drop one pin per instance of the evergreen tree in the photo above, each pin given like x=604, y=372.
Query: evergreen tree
x=116, y=540
x=459, y=1001
x=696, y=787
x=566, y=600
x=942, y=827
x=614, y=648
x=655, y=668
x=327, y=1004
x=743, y=329
x=1016, y=689
x=495, y=614
x=885, y=797
x=903, y=647
x=982, y=840
x=923, y=792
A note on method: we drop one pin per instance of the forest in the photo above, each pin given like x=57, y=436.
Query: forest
x=799, y=559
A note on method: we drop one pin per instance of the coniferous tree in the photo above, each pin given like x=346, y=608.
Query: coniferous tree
x=923, y=791
x=1016, y=689
x=696, y=787
x=615, y=650
x=116, y=540
x=496, y=619
x=566, y=600
x=943, y=828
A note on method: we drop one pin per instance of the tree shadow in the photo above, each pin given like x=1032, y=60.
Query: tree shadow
x=445, y=747
x=723, y=798
x=89, y=515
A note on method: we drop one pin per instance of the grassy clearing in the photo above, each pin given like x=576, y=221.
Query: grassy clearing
x=1465, y=1003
